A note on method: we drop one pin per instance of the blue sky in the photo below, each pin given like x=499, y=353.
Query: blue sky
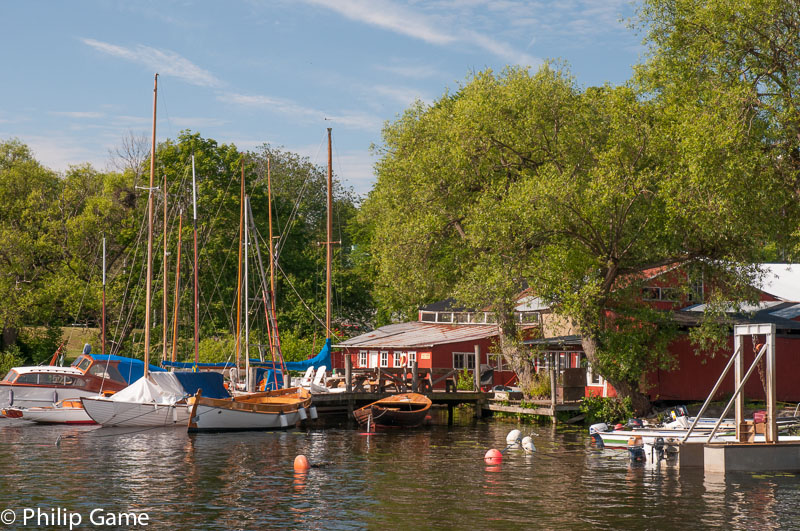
x=78, y=76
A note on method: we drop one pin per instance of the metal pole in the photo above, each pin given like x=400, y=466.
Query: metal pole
x=103, y=346
x=329, y=255
x=196, y=302
x=711, y=395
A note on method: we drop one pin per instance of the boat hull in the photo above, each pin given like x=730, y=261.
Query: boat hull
x=132, y=414
x=57, y=415
x=19, y=396
x=272, y=410
x=405, y=410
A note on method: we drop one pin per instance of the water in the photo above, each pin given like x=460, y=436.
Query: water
x=428, y=478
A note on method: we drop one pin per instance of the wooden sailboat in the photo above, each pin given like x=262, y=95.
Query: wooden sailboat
x=156, y=399
x=270, y=410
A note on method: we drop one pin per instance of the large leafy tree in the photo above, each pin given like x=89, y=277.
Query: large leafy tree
x=521, y=179
x=735, y=65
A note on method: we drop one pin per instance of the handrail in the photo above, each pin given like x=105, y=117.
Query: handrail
x=711, y=395
x=738, y=390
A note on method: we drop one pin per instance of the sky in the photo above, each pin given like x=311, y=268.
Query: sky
x=77, y=77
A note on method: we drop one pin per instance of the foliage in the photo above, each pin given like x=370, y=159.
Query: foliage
x=465, y=381
x=37, y=345
x=539, y=386
x=10, y=358
x=606, y=409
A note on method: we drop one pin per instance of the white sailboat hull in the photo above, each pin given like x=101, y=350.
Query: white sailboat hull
x=133, y=414
x=219, y=419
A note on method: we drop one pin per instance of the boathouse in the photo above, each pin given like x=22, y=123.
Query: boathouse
x=694, y=375
x=445, y=338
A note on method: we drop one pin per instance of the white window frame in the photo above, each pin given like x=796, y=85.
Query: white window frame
x=396, y=358
x=412, y=357
x=467, y=360
x=384, y=358
x=363, y=358
x=495, y=361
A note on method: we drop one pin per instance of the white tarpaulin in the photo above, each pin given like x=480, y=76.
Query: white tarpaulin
x=156, y=388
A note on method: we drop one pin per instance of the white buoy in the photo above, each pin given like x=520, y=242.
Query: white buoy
x=513, y=437
x=527, y=445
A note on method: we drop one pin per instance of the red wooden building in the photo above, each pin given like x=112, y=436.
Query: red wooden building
x=444, y=337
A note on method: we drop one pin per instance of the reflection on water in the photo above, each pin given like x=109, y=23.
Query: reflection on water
x=433, y=477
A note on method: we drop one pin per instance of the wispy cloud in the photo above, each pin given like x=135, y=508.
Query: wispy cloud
x=351, y=119
x=389, y=16
x=410, y=71
x=164, y=62
x=78, y=114
x=434, y=29
x=403, y=95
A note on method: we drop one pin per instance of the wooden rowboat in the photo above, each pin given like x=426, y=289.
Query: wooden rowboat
x=407, y=409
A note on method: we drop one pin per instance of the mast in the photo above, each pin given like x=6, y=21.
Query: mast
x=196, y=306
x=103, y=346
x=271, y=248
x=246, y=306
x=329, y=257
x=150, y=236
x=239, y=274
x=164, y=306
x=177, y=290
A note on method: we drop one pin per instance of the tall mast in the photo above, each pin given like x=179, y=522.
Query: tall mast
x=329, y=257
x=150, y=236
x=239, y=273
x=196, y=305
x=271, y=248
x=164, y=306
x=176, y=302
x=246, y=306
x=103, y=346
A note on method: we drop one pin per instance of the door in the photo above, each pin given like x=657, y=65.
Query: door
x=373, y=359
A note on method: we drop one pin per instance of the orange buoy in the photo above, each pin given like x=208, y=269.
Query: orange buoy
x=301, y=463
x=493, y=457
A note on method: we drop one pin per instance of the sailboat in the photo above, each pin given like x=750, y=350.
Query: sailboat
x=157, y=398
x=270, y=410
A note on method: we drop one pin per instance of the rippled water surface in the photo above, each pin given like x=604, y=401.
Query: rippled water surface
x=428, y=478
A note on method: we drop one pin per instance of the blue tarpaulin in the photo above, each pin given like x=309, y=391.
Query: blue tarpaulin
x=131, y=369
x=212, y=383
x=322, y=358
x=270, y=376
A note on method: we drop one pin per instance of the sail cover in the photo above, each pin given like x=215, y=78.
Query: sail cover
x=157, y=388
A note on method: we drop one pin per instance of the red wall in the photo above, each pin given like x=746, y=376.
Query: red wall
x=695, y=376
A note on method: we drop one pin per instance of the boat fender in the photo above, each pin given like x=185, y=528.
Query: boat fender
x=514, y=437
x=10, y=397
x=636, y=448
x=284, y=421
x=493, y=457
x=313, y=412
x=302, y=412
x=597, y=428
x=527, y=445
x=55, y=396
x=301, y=463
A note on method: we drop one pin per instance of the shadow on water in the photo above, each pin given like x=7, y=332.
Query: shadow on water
x=433, y=477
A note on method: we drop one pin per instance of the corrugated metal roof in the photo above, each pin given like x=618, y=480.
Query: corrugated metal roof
x=418, y=334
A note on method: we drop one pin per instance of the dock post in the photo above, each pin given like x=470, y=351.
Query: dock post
x=449, y=413
x=414, y=377
x=553, y=386
x=477, y=371
x=348, y=372
x=479, y=408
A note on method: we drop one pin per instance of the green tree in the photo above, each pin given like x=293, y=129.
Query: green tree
x=523, y=179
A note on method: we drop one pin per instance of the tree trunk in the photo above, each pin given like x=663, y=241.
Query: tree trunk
x=639, y=401
x=515, y=354
x=9, y=336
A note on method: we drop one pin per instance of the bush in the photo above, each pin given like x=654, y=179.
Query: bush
x=608, y=410
x=465, y=381
x=37, y=345
x=539, y=386
x=9, y=359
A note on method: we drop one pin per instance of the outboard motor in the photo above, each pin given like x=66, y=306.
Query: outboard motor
x=659, y=447
x=678, y=411
x=594, y=433
x=636, y=449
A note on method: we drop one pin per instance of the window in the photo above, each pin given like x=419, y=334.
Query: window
x=428, y=317
x=74, y=381
x=496, y=361
x=30, y=378
x=463, y=360
x=654, y=293
x=363, y=360
x=445, y=317
x=397, y=358
x=82, y=364
x=51, y=379
x=412, y=357
x=10, y=376
x=696, y=289
x=460, y=317
x=384, y=358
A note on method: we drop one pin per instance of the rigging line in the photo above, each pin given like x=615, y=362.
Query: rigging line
x=134, y=250
x=162, y=96
x=285, y=276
